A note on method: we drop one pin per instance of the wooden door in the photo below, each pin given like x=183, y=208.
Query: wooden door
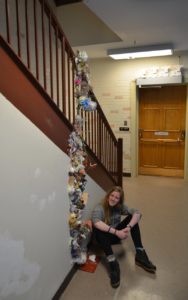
x=162, y=130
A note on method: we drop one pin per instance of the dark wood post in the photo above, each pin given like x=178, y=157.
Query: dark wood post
x=120, y=162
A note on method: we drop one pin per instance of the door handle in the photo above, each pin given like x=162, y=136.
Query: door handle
x=182, y=135
x=140, y=133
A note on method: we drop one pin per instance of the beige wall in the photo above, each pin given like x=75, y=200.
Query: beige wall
x=112, y=82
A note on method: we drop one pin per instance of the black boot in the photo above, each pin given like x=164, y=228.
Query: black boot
x=114, y=273
x=142, y=260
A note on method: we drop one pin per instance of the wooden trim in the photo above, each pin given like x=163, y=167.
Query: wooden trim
x=65, y=283
x=120, y=161
x=161, y=172
x=64, y=2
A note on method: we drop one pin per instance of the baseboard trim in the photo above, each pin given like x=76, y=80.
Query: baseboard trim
x=126, y=174
x=65, y=283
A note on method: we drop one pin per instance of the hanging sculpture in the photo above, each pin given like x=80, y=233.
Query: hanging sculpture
x=80, y=231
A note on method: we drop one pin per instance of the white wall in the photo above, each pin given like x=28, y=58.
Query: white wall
x=34, y=209
x=112, y=80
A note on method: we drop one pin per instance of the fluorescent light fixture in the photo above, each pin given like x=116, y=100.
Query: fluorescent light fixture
x=140, y=52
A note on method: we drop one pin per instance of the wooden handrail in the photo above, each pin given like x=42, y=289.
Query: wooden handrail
x=41, y=45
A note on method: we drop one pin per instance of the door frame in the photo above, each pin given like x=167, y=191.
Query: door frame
x=134, y=103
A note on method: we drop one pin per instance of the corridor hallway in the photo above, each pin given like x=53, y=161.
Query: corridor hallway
x=164, y=205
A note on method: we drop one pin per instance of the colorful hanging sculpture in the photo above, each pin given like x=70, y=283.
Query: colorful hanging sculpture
x=80, y=231
x=87, y=104
x=82, y=83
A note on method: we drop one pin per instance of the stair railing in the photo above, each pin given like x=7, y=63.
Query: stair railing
x=32, y=31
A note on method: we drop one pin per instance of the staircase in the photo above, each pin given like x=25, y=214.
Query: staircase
x=37, y=69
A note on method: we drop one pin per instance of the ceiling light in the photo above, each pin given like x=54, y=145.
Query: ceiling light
x=140, y=52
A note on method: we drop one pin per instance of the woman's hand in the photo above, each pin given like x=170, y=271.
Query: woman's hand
x=123, y=234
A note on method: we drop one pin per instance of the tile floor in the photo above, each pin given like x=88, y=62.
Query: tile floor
x=164, y=204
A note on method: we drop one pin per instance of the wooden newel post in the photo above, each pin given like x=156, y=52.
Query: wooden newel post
x=120, y=162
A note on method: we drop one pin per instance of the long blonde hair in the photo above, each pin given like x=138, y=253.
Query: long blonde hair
x=105, y=202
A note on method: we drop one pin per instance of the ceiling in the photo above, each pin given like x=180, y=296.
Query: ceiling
x=98, y=25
